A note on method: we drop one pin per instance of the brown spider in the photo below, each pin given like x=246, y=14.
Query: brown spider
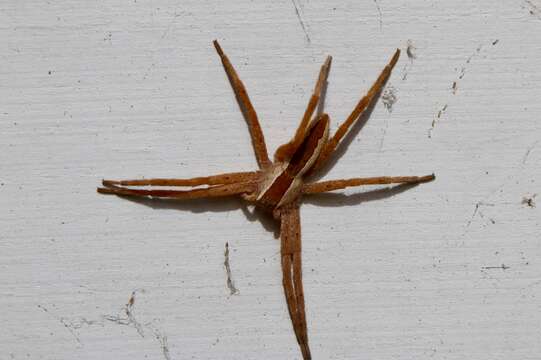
x=278, y=185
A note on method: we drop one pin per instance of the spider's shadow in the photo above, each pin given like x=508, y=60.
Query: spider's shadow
x=217, y=205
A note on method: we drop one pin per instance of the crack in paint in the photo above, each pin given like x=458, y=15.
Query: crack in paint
x=230, y=284
x=301, y=21
x=380, y=15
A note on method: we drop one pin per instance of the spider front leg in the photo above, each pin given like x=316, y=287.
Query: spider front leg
x=286, y=151
x=325, y=186
x=362, y=105
x=258, y=140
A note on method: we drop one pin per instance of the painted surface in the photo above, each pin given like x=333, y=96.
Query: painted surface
x=447, y=270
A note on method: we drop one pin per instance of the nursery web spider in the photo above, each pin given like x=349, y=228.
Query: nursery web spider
x=277, y=186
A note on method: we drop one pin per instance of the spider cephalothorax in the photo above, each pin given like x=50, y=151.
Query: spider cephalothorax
x=277, y=186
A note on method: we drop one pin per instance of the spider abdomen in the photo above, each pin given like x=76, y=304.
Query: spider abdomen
x=284, y=180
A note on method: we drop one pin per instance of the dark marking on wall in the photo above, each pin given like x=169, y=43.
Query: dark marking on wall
x=529, y=200
x=410, y=51
x=528, y=152
x=380, y=15
x=502, y=266
x=436, y=119
x=533, y=9
x=301, y=21
x=230, y=284
x=129, y=318
x=455, y=84
x=389, y=98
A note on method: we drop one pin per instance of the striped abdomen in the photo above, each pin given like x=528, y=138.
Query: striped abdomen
x=285, y=179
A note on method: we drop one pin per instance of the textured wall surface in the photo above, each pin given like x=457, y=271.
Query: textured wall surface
x=127, y=89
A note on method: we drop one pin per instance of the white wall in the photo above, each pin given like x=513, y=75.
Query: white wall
x=118, y=89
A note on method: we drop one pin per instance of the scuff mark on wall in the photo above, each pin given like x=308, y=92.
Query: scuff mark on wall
x=533, y=9
x=478, y=211
x=410, y=51
x=63, y=321
x=129, y=318
x=529, y=200
x=435, y=119
x=301, y=21
x=455, y=84
x=162, y=338
x=126, y=319
x=527, y=154
x=380, y=15
x=389, y=98
x=464, y=67
x=502, y=266
x=230, y=284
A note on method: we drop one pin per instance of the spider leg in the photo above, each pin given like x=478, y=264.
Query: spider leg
x=290, y=233
x=214, y=191
x=331, y=185
x=357, y=111
x=221, y=179
x=286, y=150
x=258, y=140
